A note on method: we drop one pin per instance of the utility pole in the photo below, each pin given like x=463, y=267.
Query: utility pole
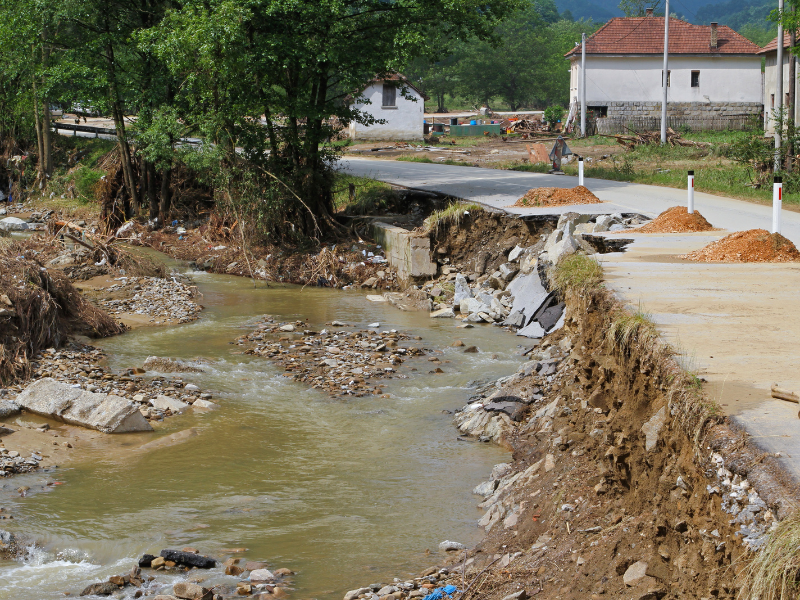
x=791, y=126
x=779, y=91
x=665, y=77
x=583, y=85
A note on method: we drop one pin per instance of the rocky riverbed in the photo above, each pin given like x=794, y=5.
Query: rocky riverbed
x=337, y=359
x=162, y=301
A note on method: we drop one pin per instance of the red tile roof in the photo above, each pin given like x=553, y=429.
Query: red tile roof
x=645, y=35
x=773, y=45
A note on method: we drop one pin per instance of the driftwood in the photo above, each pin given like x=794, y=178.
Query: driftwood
x=639, y=138
x=782, y=394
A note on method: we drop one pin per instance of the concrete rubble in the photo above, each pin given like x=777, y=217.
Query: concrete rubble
x=103, y=412
x=517, y=294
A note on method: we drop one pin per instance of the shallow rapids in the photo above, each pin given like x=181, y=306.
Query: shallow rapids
x=340, y=491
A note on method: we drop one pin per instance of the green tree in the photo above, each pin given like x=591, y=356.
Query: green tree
x=263, y=79
x=636, y=8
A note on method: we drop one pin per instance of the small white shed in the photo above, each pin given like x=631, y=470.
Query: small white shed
x=403, y=116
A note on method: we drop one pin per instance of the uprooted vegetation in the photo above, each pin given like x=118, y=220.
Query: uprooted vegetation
x=39, y=308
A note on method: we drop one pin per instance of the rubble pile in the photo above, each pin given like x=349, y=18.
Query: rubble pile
x=341, y=362
x=517, y=294
x=553, y=196
x=753, y=245
x=160, y=299
x=676, y=220
x=82, y=366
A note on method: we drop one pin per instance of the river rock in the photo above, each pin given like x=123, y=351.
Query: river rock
x=106, y=588
x=146, y=561
x=287, y=327
x=445, y=313
x=167, y=365
x=8, y=409
x=61, y=402
x=450, y=546
x=353, y=594
x=188, y=590
x=189, y=559
x=13, y=224
x=166, y=403
x=204, y=404
x=261, y=575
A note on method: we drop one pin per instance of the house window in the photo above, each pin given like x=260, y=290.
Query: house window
x=389, y=96
x=772, y=101
x=696, y=79
x=669, y=73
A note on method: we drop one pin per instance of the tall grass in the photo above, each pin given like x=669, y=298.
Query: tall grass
x=628, y=329
x=451, y=214
x=774, y=572
x=576, y=274
x=370, y=195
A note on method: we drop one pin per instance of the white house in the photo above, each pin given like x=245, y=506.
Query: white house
x=713, y=71
x=770, y=53
x=404, y=116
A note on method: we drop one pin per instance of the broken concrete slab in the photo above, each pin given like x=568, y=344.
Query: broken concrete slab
x=462, y=290
x=529, y=293
x=533, y=330
x=61, y=402
x=8, y=409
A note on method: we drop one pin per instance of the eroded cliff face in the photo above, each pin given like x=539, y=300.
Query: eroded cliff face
x=623, y=483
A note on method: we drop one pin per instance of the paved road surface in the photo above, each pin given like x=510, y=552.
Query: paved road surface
x=737, y=325
x=500, y=189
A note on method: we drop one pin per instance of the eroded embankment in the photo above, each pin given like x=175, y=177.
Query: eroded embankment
x=624, y=482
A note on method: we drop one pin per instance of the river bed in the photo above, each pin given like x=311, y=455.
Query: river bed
x=340, y=491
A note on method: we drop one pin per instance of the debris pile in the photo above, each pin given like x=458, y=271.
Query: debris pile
x=341, y=362
x=163, y=300
x=654, y=137
x=553, y=196
x=676, y=220
x=753, y=245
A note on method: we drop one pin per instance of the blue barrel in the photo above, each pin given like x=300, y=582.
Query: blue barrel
x=473, y=122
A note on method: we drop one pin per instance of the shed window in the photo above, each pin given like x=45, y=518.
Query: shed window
x=696, y=79
x=389, y=96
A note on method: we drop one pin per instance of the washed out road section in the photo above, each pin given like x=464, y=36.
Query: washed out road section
x=501, y=189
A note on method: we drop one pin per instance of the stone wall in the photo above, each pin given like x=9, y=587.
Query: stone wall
x=680, y=109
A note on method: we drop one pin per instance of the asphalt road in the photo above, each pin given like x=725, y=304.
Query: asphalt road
x=500, y=189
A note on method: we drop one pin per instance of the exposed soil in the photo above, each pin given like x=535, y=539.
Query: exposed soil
x=599, y=503
x=753, y=245
x=676, y=220
x=480, y=241
x=552, y=196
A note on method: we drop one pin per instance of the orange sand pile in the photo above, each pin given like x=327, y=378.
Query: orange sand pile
x=753, y=245
x=676, y=220
x=552, y=196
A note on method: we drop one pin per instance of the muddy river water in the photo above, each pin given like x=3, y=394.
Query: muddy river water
x=343, y=491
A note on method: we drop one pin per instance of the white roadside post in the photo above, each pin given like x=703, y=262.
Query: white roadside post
x=580, y=170
x=690, y=204
x=777, y=200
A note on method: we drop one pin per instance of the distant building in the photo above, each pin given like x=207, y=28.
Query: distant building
x=404, y=116
x=713, y=71
x=770, y=53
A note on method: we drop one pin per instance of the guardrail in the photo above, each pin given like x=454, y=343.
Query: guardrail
x=84, y=128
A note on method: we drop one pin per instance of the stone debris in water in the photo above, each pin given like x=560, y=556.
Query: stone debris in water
x=753, y=245
x=343, y=363
x=84, y=366
x=161, y=299
x=553, y=196
x=676, y=220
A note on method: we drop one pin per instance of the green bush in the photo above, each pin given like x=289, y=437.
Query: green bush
x=85, y=181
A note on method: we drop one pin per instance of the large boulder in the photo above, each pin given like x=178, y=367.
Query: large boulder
x=8, y=409
x=61, y=402
x=166, y=403
x=189, y=559
x=13, y=224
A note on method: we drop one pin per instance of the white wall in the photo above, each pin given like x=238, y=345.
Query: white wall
x=403, y=122
x=770, y=84
x=638, y=79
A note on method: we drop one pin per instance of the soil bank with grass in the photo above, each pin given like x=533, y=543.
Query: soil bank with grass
x=625, y=481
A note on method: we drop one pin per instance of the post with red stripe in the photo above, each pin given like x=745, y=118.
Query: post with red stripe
x=777, y=200
x=690, y=204
x=580, y=170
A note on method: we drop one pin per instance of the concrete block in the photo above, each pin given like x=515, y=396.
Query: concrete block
x=406, y=251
